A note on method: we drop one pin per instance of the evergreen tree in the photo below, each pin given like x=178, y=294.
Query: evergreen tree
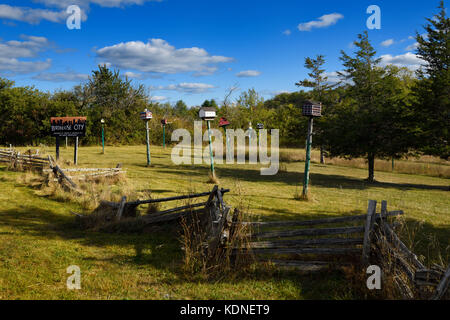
x=433, y=87
x=371, y=122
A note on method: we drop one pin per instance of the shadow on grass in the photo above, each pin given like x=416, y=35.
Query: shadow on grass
x=161, y=249
x=294, y=178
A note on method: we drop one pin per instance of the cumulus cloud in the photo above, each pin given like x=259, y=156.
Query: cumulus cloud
x=408, y=60
x=388, y=43
x=13, y=52
x=30, y=15
x=412, y=47
x=322, y=22
x=287, y=32
x=62, y=77
x=187, y=87
x=158, y=56
x=248, y=73
x=59, y=15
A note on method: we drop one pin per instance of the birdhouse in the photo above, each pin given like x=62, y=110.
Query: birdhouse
x=207, y=113
x=223, y=122
x=259, y=126
x=312, y=109
x=164, y=122
x=146, y=115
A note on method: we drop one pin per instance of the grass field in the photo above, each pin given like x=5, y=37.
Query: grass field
x=39, y=239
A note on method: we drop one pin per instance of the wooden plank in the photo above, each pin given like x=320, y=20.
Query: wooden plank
x=383, y=207
x=121, y=208
x=392, y=236
x=308, y=232
x=191, y=196
x=57, y=170
x=442, y=286
x=148, y=219
x=300, y=251
x=301, y=266
x=367, y=230
x=195, y=205
x=273, y=224
x=300, y=242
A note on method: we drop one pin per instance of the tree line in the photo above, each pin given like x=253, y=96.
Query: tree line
x=375, y=111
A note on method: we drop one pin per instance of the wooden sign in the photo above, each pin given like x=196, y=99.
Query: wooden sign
x=68, y=126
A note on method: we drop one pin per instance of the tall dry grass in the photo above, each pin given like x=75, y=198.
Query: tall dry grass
x=424, y=165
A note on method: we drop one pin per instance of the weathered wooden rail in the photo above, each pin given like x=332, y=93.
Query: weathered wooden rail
x=322, y=245
x=211, y=213
x=333, y=240
x=413, y=279
x=26, y=161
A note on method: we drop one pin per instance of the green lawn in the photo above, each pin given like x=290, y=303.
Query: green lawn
x=39, y=239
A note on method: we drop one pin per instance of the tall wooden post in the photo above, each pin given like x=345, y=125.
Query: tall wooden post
x=75, y=153
x=210, y=149
x=308, y=158
x=148, y=143
x=164, y=136
x=57, y=148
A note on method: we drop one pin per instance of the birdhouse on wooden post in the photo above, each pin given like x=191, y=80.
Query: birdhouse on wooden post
x=207, y=113
x=312, y=109
x=146, y=115
x=164, y=123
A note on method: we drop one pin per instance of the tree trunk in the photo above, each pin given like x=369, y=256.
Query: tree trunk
x=322, y=155
x=371, y=160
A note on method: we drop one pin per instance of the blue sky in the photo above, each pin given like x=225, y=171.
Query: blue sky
x=196, y=50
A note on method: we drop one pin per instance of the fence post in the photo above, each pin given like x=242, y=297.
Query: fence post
x=121, y=208
x=368, y=229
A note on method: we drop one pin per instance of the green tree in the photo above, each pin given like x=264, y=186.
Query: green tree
x=109, y=96
x=433, y=87
x=372, y=123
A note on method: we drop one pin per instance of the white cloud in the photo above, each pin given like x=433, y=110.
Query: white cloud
x=248, y=73
x=287, y=32
x=412, y=47
x=36, y=15
x=187, y=87
x=11, y=53
x=322, y=22
x=133, y=75
x=158, y=98
x=32, y=16
x=408, y=60
x=62, y=77
x=86, y=3
x=158, y=56
x=388, y=43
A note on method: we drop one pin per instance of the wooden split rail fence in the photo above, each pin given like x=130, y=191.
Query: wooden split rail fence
x=25, y=161
x=299, y=244
x=212, y=213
